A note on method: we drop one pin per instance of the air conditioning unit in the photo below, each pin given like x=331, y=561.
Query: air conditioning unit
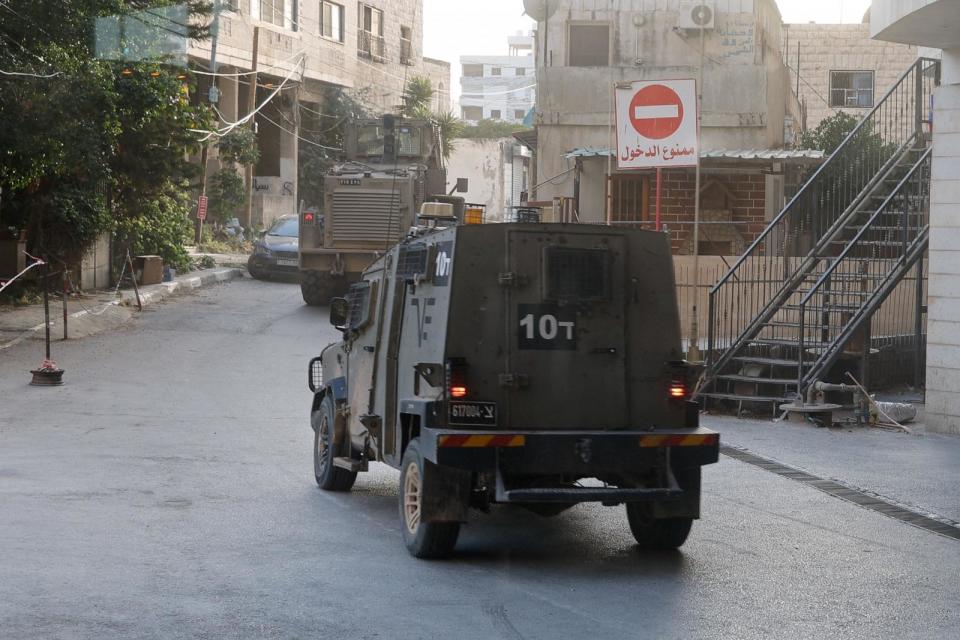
x=697, y=14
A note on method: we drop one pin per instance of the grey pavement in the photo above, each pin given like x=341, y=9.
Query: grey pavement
x=920, y=470
x=97, y=311
x=166, y=491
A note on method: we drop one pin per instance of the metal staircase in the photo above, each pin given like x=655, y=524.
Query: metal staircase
x=785, y=312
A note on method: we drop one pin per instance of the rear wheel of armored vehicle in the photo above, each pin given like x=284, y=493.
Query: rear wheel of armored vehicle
x=423, y=539
x=650, y=533
x=318, y=288
x=329, y=477
x=664, y=533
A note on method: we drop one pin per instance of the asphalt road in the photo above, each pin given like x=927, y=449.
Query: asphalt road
x=166, y=492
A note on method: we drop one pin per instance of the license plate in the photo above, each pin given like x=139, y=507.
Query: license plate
x=287, y=263
x=473, y=414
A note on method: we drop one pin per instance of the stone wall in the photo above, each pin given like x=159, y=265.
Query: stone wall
x=840, y=47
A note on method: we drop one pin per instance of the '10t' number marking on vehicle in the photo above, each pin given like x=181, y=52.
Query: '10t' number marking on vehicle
x=546, y=327
x=549, y=327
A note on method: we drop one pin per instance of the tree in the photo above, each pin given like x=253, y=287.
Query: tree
x=417, y=97
x=227, y=189
x=92, y=145
x=829, y=134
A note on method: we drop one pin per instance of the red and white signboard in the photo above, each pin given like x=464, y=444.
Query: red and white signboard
x=202, y=209
x=657, y=125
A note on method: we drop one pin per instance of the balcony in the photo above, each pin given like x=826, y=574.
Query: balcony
x=371, y=46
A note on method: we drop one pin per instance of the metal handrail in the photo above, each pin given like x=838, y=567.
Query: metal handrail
x=819, y=211
x=856, y=243
x=866, y=227
x=796, y=198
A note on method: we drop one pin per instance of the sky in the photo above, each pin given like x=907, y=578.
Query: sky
x=466, y=27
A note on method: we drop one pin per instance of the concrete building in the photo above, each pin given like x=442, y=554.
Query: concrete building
x=439, y=73
x=498, y=170
x=305, y=48
x=749, y=112
x=936, y=24
x=841, y=67
x=499, y=87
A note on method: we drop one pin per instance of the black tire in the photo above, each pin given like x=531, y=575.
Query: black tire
x=423, y=539
x=666, y=534
x=254, y=270
x=316, y=288
x=329, y=477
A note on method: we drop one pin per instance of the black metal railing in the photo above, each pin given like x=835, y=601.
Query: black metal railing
x=871, y=265
x=779, y=259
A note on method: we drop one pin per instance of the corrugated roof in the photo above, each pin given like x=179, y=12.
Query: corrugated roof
x=769, y=155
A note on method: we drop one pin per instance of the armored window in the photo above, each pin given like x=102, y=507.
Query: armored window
x=358, y=299
x=412, y=262
x=851, y=89
x=576, y=275
x=589, y=45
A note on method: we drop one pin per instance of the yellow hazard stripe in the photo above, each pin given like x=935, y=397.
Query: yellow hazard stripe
x=481, y=441
x=700, y=440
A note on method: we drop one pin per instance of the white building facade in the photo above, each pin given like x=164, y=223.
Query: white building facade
x=936, y=24
x=499, y=88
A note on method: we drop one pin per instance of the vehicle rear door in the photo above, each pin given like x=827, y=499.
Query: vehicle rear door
x=566, y=356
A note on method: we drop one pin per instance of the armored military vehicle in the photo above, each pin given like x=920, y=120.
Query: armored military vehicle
x=534, y=364
x=391, y=166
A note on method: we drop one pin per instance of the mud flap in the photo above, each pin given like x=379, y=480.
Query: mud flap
x=446, y=493
x=688, y=504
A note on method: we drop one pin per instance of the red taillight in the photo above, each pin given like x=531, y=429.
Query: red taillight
x=457, y=377
x=678, y=389
x=308, y=218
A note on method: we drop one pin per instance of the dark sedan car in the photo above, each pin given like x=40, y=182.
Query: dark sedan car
x=276, y=251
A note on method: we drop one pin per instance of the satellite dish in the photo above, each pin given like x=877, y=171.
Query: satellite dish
x=702, y=15
x=540, y=10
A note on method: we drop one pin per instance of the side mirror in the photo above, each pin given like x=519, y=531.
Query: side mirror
x=339, y=313
x=463, y=185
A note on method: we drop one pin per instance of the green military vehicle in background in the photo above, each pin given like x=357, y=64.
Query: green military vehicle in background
x=532, y=364
x=371, y=199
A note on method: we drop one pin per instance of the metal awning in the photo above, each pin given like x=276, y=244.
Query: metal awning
x=794, y=156
x=527, y=138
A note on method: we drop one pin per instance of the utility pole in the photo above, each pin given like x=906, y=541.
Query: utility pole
x=694, y=351
x=214, y=97
x=251, y=105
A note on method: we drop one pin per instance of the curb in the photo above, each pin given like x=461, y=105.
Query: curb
x=150, y=294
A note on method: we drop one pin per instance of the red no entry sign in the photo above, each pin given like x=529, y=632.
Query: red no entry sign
x=657, y=124
x=656, y=112
x=202, y=209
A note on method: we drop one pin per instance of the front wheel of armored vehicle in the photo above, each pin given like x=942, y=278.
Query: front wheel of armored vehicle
x=329, y=477
x=423, y=539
